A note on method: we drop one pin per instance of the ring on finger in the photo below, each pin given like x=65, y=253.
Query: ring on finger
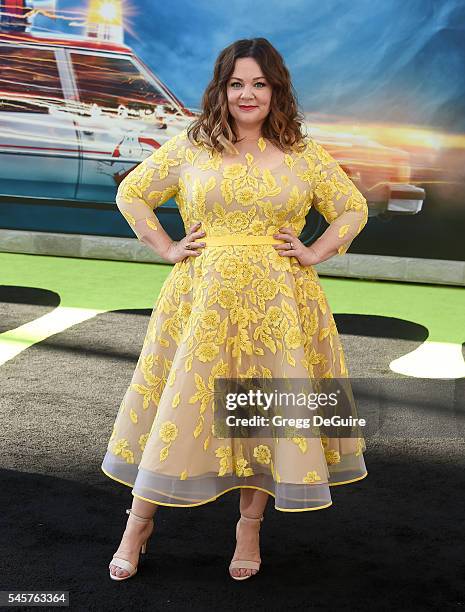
x=291, y=245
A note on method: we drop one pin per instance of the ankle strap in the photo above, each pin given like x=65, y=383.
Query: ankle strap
x=137, y=517
x=251, y=519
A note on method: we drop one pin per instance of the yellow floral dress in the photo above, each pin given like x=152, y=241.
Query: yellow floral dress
x=239, y=310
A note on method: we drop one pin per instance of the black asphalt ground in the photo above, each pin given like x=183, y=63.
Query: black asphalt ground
x=393, y=541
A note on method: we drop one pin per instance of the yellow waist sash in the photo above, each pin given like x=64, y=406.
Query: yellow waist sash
x=229, y=239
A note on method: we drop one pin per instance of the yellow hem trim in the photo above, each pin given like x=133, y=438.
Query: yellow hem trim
x=303, y=509
x=117, y=479
x=227, y=491
x=333, y=484
x=231, y=489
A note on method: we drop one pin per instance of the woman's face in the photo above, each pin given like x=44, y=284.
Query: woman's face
x=247, y=87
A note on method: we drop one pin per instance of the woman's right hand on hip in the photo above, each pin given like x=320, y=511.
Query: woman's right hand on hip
x=187, y=246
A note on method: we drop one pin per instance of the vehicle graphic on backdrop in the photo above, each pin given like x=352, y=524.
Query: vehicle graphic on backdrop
x=78, y=112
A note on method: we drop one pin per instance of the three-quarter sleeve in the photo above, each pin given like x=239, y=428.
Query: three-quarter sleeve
x=152, y=183
x=339, y=201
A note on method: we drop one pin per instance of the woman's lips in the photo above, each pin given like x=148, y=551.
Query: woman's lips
x=246, y=108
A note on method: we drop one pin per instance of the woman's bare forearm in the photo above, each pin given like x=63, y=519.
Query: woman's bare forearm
x=158, y=240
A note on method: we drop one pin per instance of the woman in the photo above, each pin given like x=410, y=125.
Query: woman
x=243, y=300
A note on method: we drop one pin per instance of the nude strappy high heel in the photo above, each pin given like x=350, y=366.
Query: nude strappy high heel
x=245, y=563
x=124, y=563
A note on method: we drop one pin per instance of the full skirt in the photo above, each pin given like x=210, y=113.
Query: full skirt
x=238, y=312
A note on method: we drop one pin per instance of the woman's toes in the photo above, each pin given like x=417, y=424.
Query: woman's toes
x=240, y=572
x=117, y=571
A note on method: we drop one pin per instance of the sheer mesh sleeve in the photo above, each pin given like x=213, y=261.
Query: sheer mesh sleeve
x=338, y=200
x=152, y=183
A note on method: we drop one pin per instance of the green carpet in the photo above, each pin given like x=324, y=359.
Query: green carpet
x=112, y=285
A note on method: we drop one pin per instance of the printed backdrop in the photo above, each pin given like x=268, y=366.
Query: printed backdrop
x=381, y=86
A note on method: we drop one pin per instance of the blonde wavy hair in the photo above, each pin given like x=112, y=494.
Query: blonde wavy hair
x=215, y=125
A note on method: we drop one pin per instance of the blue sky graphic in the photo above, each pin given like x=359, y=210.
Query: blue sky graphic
x=396, y=61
